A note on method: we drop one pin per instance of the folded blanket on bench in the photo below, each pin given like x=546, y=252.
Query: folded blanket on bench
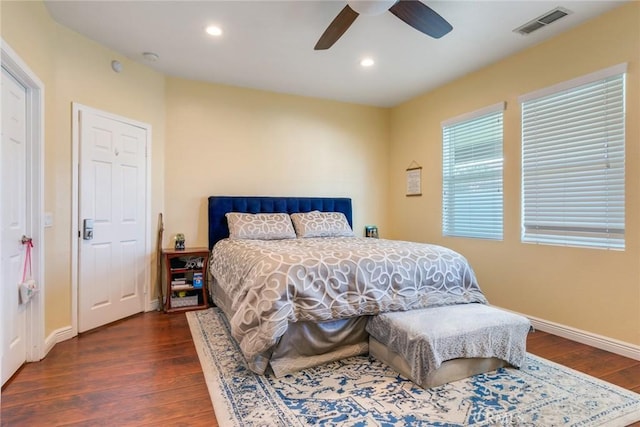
x=428, y=337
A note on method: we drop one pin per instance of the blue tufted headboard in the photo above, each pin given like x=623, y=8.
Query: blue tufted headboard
x=220, y=205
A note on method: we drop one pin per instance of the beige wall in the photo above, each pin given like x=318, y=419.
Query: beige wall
x=231, y=141
x=221, y=140
x=211, y=139
x=75, y=69
x=593, y=290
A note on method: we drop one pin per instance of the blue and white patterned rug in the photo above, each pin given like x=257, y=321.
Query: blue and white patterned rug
x=360, y=391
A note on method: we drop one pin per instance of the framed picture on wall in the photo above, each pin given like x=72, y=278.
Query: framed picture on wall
x=414, y=181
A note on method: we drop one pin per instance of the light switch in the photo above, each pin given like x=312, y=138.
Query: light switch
x=48, y=219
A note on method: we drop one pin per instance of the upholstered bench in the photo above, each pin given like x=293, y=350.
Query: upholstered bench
x=433, y=346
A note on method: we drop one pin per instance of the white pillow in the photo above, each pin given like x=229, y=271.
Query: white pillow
x=321, y=224
x=261, y=226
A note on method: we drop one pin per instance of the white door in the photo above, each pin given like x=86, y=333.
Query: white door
x=112, y=195
x=14, y=222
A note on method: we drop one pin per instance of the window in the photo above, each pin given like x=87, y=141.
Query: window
x=573, y=162
x=472, y=174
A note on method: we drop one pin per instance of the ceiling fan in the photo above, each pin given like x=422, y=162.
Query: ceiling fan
x=413, y=12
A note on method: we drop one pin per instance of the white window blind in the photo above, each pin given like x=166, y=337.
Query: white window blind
x=573, y=143
x=472, y=162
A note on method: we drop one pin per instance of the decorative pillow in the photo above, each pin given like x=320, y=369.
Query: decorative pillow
x=261, y=226
x=321, y=224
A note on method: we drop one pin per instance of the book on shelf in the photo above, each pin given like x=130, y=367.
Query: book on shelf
x=182, y=286
x=197, y=280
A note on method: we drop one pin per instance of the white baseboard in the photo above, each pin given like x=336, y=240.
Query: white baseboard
x=57, y=336
x=594, y=340
x=154, y=305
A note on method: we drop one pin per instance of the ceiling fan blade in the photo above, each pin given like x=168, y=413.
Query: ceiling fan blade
x=421, y=17
x=336, y=29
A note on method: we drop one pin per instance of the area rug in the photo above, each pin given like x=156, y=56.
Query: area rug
x=361, y=391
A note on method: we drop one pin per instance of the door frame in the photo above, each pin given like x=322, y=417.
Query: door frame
x=34, y=331
x=75, y=207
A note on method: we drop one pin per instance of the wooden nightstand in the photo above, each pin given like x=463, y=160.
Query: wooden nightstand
x=185, y=279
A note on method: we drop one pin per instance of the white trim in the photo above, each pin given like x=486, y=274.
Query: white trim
x=77, y=108
x=152, y=304
x=578, y=81
x=500, y=106
x=12, y=62
x=59, y=335
x=75, y=166
x=594, y=340
x=147, y=232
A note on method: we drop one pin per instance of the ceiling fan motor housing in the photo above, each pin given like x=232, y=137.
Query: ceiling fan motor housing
x=412, y=12
x=371, y=7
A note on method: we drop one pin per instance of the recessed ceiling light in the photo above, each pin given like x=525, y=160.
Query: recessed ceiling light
x=367, y=62
x=213, y=30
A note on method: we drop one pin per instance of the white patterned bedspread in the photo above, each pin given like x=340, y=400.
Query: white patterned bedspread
x=272, y=283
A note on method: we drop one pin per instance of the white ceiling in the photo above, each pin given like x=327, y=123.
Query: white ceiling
x=269, y=44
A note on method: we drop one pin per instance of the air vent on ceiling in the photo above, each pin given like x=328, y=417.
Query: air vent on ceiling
x=543, y=20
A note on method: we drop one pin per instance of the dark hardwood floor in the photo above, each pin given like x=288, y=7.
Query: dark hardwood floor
x=144, y=370
x=139, y=371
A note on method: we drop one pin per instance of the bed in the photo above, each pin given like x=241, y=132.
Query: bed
x=294, y=303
